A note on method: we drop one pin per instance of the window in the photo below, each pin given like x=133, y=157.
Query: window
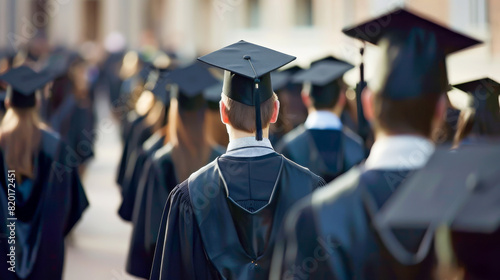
x=91, y=20
x=303, y=13
x=253, y=16
x=478, y=13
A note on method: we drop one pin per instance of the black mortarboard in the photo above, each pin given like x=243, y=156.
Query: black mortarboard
x=213, y=94
x=24, y=82
x=145, y=70
x=3, y=94
x=283, y=78
x=280, y=79
x=326, y=58
x=414, y=52
x=484, y=92
x=247, y=79
x=324, y=77
x=459, y=188
x=191, y=81
x=157, y=81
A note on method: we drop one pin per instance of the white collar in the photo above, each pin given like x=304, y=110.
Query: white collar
x=323, y=120
x=400, y=152
x=249, y=147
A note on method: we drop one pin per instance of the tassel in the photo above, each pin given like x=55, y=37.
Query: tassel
x=258, y=122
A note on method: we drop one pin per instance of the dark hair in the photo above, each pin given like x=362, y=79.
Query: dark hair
x=242, y=117
x=327, y=96
x=405, y=116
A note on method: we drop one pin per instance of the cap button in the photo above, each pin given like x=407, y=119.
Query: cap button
x=246, y=57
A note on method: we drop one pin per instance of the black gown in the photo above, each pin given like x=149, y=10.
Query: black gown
x=47, y=208
x=329, y=235
x=136, y=135
x=325, y=152
x=75, y=125
x=223, y=221
x=157, y=181
x=138, y=159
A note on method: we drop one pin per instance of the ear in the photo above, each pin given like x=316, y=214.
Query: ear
x=276, y=111
x=341, y=101
x=223, y=115
x=305, y=99
x=440, y=112
x=367, y=101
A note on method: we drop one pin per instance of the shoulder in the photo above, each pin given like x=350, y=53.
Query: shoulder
x=217, y=150
x=180, y=193
x=350, y=136
x=163, y=153
x=294, y=135
x=302, y=170
x=52, y=144
x=203, y=172
x=340, y=191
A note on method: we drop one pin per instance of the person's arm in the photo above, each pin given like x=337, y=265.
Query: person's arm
x=301, y=252
x=179, y=249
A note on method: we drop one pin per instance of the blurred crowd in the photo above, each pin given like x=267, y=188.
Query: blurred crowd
x=169, y=114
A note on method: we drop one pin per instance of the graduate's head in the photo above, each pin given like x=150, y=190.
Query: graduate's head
x=20, y=127
x=483, y=106
x=420, y=115
x=248, y=103
x=330, y=97
x=407, y=94
x=242, y=117
x=323, y=86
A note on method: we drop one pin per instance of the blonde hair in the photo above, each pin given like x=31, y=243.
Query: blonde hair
x=191, y=149
x=242, y=117
x=20, y=134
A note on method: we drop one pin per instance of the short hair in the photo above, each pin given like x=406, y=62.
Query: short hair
x=405, y=116
x=333, y=90
x=242, y=117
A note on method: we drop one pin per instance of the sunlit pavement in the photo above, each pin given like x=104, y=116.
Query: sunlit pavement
x=97, y=247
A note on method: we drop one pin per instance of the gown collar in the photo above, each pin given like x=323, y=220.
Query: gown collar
x=249, y=147
x=323, y=120
x=400, y=152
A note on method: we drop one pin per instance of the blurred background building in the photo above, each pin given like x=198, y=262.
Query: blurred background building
x=308, y=29
x=305, y=28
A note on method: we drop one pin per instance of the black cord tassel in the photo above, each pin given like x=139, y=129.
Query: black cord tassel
x=258, y=122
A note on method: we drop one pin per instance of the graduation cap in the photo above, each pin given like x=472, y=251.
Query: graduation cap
x=247, y=77
x=326, y=58
x=283, y=78
x=459, y=188
x=145, y=70
x=24, y=82
x=191, y=81
x=156, y=82
x=484, y=93
x=324, y=76
x=414, y=51
x=3, y=94
x=212, y=95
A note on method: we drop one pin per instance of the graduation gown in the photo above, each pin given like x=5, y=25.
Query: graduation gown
x=157, y=181
x=325, y=152
x=109, y=77
x=75, y=125
x=223, y=221
x=137, y=134
x=134, y=171
x=47, y=208
x=330, y=235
